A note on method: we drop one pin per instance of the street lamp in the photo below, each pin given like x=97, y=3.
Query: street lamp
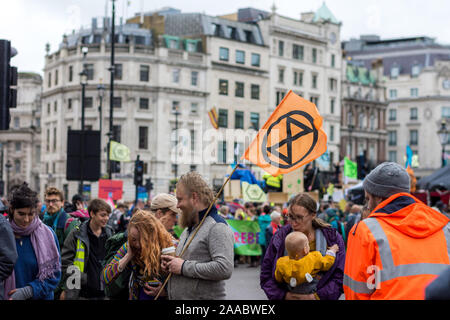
x=8, y=166
x=83, y=81
x=101, y=93
x=443, y=137
x=177, y=113
x=350, y=130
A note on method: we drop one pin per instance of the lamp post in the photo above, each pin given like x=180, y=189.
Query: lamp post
x=350, y=130
x=177, y=113
x=101, y=94
x=111, y=97
x=83, y=81
x=8, y=166
x=443, y=137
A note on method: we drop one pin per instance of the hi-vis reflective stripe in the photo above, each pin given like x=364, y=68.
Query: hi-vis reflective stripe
x=79, y=256
x=447, y=237
x=357, y=286
x=389, y=270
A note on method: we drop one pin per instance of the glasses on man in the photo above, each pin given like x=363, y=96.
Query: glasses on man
x=49, y=201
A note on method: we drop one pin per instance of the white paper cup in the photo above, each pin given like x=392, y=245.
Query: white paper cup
x=169, y=251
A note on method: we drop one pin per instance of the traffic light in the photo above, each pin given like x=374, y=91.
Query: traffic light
x=8, y=81
x=138, y=172
x=149, y=184
x=115, y=166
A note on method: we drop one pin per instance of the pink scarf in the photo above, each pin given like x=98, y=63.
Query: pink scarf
x=45, y=248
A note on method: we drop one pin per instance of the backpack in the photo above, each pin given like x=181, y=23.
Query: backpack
x=339, y=226
x=117, y=289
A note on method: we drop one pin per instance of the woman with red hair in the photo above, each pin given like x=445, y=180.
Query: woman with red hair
x=141, y=254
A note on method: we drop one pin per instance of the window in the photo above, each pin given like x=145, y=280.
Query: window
x=118, y=72
x=143, y=103
x=331, y=133
x=238, y=151
x=239, y=89
x=18, y=146
x=17, y=166
x=362, y=120
x=194, y=108
x=56, y=106
x=239, y=120
x=215, y=29
x=350, y=118
x=222, y=152
x=48, y=140
x=90, y=71
x=255, y=92
x=56, y=77
x=413, y=137
x=279, y=96
x=223, y=54
x=248, y=36
x=256, y=60
x=191, y=46
x=88, y=102
x=254, y=120
x=49, y=84
x=69, y=104
x=116, y=132
x=16, y=122
x=240, y=56
x=176, y=75
x=392, y=156
x=372, y=122
x=280, y=48
x=332, y=84
x=332, y=102
x=117, y=102
x=144, y=73
x=392, y=136
x=314, y=55
x=232, y=32
x=300, y=78
x=393, y=93
x=445, y=113
x=54, y=139
x=194, y=78
x=333, y=60
x=173, y=44
x=295, y=77
x=315, y=100
x=297, y=52
x=281, y=75
x=70, y=73
x=192, y=140
x=223, y=87
x=395, y=71
x=143, y=137
x=314, y=81
x=223, y=118
x=413, y=114
x=415, y=71
x=414, y=92
x=392, y=115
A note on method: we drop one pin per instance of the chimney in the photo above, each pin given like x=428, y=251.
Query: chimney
x=377, y=66
x=307, y=17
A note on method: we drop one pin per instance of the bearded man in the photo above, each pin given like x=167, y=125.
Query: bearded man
x=208, y=261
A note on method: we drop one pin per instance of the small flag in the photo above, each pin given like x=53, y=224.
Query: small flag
x=253, y=193
x=409, y=155
x=350, y=169
x=292, y=137
x=213, y=118
x=119, y=152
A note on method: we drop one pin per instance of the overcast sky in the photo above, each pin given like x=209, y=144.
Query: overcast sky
x=30, y=24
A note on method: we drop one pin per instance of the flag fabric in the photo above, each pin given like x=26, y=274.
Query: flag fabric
x=213, y=118
x=409, y=156
x=253, y=193
x=324, y=161
x=246, y=237
x=119, y=152
x=290, y=138
x=350, y=169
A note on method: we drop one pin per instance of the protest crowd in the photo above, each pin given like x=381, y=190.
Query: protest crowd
x=392, y=247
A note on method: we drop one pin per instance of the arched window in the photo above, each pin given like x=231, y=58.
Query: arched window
x=372, y=122
x=361, y=120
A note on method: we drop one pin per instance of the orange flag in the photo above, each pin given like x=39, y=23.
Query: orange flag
x=290, y=138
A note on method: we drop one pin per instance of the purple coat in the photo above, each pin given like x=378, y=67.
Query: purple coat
x=329, y=286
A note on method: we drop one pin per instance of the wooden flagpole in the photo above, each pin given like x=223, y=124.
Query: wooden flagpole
x=198, y=227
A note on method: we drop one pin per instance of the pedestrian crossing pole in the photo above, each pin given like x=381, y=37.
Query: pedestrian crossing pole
x=198, y=227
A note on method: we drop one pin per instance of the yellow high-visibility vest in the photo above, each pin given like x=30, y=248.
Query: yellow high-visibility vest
x=80, y=255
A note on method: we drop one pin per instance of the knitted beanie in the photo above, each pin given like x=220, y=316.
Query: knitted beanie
x=386, y=180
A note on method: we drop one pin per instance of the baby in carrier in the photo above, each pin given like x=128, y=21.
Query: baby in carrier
x=299, y=268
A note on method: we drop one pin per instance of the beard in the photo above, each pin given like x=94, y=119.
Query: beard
x=188, y=219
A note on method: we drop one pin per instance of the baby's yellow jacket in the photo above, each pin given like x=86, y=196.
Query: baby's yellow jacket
x=312, y=263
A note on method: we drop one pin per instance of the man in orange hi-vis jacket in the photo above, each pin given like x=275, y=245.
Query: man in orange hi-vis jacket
x=401, y=247
x=290, y=138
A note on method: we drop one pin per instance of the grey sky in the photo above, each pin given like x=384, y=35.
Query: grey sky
x=30, y=24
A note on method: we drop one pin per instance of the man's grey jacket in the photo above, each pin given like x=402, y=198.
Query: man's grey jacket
x=8, y=253
x=209, y=261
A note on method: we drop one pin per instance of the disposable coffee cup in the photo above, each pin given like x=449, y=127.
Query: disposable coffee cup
x=169, y=251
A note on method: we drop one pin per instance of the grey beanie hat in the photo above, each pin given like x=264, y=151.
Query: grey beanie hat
x=386, y=180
